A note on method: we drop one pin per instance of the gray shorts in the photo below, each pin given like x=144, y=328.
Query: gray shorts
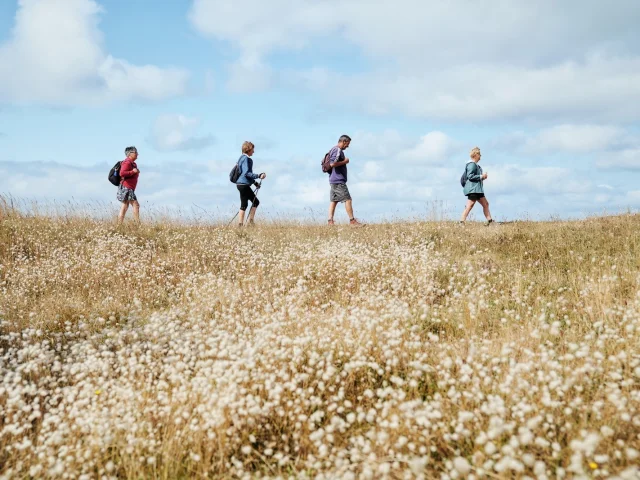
x=339, y=193
x=125, y=194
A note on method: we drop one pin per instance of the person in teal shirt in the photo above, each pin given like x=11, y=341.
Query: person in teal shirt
x=473, y=187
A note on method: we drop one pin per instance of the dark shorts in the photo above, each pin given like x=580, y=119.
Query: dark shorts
x=246, y=196
x=475, y=196
x=339, y=193
x=126, y=194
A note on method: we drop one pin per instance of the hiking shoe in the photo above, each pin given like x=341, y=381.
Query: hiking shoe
x=488, y=222
x=355, y=223
x=330, y=222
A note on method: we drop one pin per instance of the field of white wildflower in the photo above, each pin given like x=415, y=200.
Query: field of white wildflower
x=401, y=350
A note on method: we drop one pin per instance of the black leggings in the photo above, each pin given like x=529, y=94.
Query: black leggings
x=247, y=194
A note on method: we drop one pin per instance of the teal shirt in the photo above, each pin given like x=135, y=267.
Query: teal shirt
x=474, y=179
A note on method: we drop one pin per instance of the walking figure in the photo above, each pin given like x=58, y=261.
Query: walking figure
x=472, y=181
x=244, y=182
x=126, y=194
x=339, y=193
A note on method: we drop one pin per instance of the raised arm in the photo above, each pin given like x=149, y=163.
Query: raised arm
x=473, y=173
x=334, y=160
x=126, y=169
x=247, y=165
x=339, y=164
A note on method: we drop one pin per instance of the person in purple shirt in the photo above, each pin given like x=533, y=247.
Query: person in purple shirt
x=338, y=180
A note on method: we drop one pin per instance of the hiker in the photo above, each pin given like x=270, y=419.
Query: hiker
x=339, y=192
x=244, y=182
x=127, y=189
x=473, y=187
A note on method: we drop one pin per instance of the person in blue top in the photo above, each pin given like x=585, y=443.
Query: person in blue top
x=244, y=182
x=473, y=188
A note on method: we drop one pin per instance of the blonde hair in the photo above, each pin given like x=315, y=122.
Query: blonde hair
x=474, y=151
x=247, y=146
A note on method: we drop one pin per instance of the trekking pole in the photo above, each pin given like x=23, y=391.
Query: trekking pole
x=234, y=217
x=255, y=193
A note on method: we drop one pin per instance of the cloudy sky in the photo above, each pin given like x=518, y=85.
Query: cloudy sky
x=549, y=90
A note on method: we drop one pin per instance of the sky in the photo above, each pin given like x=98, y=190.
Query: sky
x=550, y=92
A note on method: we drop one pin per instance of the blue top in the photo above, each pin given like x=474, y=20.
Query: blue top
x=338, y=174
x=474, y=179
x=247, y=177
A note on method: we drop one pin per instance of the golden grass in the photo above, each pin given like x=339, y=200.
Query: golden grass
x=401, y=350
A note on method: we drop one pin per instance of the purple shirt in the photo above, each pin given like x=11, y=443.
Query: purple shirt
x=338, y=174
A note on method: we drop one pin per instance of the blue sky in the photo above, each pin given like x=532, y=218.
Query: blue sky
x=549, y=91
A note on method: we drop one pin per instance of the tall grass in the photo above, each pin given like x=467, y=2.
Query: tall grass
x=401, y=350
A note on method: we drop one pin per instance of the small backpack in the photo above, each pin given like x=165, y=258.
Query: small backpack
x=463, y=178
x=114, y=174
x=326, y=164
x=234, y=175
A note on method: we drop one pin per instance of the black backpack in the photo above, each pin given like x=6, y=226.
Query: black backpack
x=234, y=175
x=114, y=174
x=463, y=178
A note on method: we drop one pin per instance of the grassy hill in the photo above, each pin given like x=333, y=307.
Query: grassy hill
x=403, y=350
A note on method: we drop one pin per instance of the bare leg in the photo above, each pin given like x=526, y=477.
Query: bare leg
x=348, y=206
x=485, y=207
x=123, y=211
x=467, y=209
x=241, y=218
x=332, y=209
x=252, y=214
x=136, y=211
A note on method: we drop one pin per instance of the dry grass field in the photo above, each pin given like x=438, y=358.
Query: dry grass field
x=401, y=350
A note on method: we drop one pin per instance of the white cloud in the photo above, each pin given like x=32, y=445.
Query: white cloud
x=372, y=170
x=55, y=56
x=433, y=148
x=172, y=132
x=496, y=91
x=452, y=60
x=420, y=32
x=566, y=138
x=576, y=139
x=628, y=159
x=378, y=145
x=529, y=182
x=249, y=74
x=259, y=27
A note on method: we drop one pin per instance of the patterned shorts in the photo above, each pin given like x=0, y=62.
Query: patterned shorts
x=125, y=194
x=339, y=193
